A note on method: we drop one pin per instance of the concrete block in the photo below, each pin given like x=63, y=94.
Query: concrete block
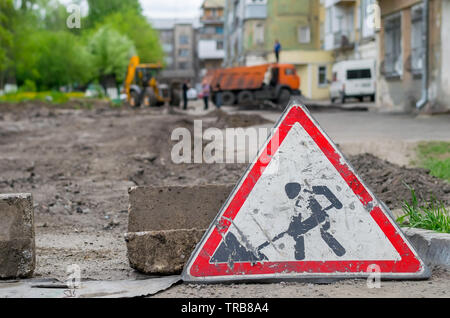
x=175, y=207
x=433, y=247
x=161, y=252
x=17, y=247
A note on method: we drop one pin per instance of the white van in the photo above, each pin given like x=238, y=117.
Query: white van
x=353, y=79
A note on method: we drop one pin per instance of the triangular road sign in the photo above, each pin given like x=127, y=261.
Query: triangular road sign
x=301, y=212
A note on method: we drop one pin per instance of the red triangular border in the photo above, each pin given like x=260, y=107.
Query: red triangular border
x=201, y=267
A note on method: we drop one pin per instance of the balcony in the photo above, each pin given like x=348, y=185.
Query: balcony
x=210, y=49
x=343, y=40
x=329, y=3
x=340, y=40
x=212, y=19
x=255, y=11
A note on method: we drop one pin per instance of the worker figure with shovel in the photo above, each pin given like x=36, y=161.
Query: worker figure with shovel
x=319, y=217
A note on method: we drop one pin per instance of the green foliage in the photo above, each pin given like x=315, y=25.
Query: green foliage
x=99, y=9
x=57, y=59
x=110, y=52
x=6, y=36
x=431, y=215
x=48, y=96
x=137, y=28
x=41, y=53
x=435, y=156
x=28, y=86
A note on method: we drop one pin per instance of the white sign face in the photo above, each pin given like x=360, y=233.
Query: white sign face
x=323, y=219
x=301, y=211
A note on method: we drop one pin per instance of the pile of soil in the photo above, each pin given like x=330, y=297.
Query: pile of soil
x=225, y=120
x=391, y=183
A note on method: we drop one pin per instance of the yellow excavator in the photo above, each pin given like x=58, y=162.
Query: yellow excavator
x=142, y=87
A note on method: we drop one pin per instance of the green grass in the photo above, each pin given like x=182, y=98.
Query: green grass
x=435, y=156
x=50, y=96
x=432, y=215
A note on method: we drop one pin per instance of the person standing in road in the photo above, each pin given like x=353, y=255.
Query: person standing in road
x=218, y=96
x=205, y=92
x=185, y=90
x=277, y=50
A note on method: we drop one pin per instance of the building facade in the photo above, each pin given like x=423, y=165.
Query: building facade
x=252, y=26
x=211, y=36
x=178, y=39
x=245, y=25
x=350, y=29
x=414, y=55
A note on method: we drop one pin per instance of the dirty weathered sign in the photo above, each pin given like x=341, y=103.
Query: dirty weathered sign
x=300, y=211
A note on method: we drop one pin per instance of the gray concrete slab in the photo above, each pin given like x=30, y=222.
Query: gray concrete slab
x=174, y=207
x=17, y=246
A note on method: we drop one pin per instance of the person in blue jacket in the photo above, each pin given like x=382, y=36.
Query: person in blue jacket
x=277, y=50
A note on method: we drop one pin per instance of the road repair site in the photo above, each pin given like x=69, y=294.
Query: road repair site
x=225, y=156
x=85, y=166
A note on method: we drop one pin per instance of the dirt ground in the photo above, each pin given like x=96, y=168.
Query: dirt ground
x=79, y=160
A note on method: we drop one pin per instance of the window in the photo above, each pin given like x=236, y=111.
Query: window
x=184, y=39
x=416, y=39
x=322, y=76
x=219, y=30
x=258, y=34
x=167, y=47
x=209, y=30
x=183, y=65
x=359, y=74
x=289, y=71
x=393, y=65
x=328, y=20
x=304, y=34
x=169, y=61
x=219, y=45
x=183, y=52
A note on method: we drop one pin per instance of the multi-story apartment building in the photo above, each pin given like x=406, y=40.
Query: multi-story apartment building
x=245, y=32
x=414, y=55
x=211, y=36
x=350, y=27
x=178, y=39
x=252, y=26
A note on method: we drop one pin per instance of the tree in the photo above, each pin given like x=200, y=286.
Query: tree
x=6, y=37
x=138, y=29
x=53, y=59
x=110, y=52
x=99, y=9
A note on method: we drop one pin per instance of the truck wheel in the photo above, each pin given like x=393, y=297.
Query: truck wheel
x=228, y=98
x=134, y=99
x=283, y=97
x=245, y=98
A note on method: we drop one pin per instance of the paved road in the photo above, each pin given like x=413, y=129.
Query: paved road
x=367, y=131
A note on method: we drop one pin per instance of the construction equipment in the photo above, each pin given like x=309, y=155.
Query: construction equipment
x=250, y=84
x=142, y=87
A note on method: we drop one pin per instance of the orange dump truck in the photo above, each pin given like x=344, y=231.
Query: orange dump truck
x=250, y=84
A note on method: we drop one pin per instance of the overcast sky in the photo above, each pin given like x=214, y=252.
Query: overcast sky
x=164, y=8
x=171, y=8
